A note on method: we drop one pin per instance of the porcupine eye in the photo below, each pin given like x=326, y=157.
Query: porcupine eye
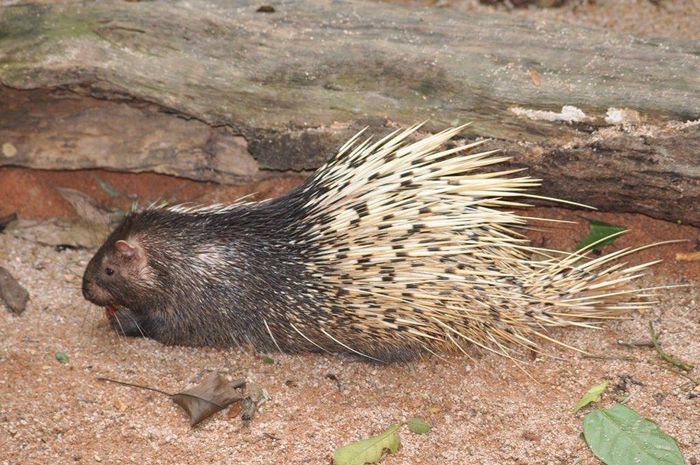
x=109, y=271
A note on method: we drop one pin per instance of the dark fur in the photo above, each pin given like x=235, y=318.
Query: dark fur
x=190, y=300
x=258, y=276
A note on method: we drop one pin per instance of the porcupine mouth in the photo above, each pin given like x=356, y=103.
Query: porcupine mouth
x=126, y=322
x=111, y=310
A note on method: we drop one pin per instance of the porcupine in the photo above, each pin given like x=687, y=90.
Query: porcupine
x=390, y=250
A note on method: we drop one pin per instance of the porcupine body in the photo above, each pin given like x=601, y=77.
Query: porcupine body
x=390, y=250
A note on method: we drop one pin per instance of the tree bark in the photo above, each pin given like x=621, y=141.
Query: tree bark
x=218, y=91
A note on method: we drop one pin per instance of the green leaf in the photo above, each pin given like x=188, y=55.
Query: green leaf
x=620, y=436
x=368, y=450
x=268, y=360
x=419, y=426
x=62, y=357
x=593, y=395
x=600, y=234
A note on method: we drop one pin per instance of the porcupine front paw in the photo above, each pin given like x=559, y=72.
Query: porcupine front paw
x=128, y=323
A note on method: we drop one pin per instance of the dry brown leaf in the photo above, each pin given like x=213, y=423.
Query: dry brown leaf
x=535, y=77
x=214, y=393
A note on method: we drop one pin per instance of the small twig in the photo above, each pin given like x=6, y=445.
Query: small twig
x=124, y=383
x=635, y=343
x=612, y=357
x=172, y=396
x=626, y=399
x=116, y=27
x=695, y=381
x=688, y=257
x=675, y=361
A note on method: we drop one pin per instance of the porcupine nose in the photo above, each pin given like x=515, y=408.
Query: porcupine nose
x=88, y=285
x=86, y=288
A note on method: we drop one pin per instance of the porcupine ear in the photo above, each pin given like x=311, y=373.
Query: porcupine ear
x=127, y=250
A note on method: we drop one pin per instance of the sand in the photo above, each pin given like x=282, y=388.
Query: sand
x=484, y=407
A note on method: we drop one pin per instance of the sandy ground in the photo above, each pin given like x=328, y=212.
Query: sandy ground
x=484, y=409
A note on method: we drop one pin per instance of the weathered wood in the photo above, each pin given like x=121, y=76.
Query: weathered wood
x=296, y=82
x=618, y=171
x=50, y=130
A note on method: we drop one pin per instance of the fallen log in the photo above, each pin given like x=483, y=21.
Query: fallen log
x=219, y=91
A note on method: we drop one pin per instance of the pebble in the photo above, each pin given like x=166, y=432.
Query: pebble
x=9, y=150
x=119, y=405
x=12, y=292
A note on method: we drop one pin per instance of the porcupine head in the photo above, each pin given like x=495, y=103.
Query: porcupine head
x=206, y=277
x=389, y=250
x=120, y=279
